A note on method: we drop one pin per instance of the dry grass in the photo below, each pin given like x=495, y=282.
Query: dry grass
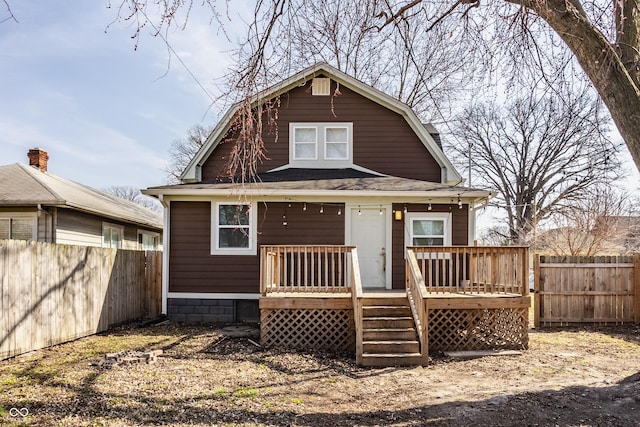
x=568, y=377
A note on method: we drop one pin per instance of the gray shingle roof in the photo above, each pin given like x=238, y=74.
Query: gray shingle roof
x=22, y=185
x=318, y=181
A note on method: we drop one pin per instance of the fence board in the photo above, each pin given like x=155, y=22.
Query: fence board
x=52, y=293
x=601, y=289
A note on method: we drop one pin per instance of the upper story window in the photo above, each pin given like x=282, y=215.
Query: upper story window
x=18, y=226
x=321, y=145
x=112, y=235
x=234, y=230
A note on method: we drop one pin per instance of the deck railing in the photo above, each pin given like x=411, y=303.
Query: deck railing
x=417, y=296
x=473, y=269
x=306, y=268
x=357, y=298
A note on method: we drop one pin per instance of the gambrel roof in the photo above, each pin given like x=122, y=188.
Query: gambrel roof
x=22, y=185
x=449, y=175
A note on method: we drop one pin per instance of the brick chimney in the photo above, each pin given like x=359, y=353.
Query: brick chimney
x=38, y=158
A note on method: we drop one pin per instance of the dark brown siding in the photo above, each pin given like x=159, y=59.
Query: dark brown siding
x=192, y=268
x=383, y=141
x=304, y=227
x=459, y=229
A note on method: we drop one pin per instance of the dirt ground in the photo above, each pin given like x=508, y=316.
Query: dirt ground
x=207, y=376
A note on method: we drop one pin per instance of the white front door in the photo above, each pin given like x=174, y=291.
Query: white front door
x=369, y=234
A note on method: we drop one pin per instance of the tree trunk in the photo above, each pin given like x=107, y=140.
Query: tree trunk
x=600, y=60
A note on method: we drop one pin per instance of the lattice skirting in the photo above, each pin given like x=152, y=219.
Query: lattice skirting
x=478, y=329
x=308, y=329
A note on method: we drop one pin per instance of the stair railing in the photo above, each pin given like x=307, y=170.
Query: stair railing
x=357, y=297
x=417, y=295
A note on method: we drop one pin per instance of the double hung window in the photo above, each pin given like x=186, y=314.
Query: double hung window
x=112, y=236
x=321, y=144
x=428, y=229
x=233, y=229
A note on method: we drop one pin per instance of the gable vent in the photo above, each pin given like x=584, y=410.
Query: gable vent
x=320, y=86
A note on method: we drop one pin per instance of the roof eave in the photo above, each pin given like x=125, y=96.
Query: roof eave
x=466, y=194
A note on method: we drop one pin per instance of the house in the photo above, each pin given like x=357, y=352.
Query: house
x=38, y=205
x=347, y=169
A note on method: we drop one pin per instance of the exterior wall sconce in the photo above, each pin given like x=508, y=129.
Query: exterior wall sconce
x=397, y=214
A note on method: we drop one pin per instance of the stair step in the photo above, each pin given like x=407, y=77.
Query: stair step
x=386, y=311
x=387, y=322
x=391, y=347
x=403, y=359
x=389, y=334
x=369, y=301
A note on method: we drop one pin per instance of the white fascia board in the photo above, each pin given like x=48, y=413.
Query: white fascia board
x=466, y=196
x=192, y=172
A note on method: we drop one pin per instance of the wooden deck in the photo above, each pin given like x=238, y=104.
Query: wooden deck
x=394, y=327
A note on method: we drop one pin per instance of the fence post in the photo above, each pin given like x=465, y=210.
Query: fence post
x=536, y=291
x=636, y=286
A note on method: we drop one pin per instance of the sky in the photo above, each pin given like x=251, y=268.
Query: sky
x=105, y=111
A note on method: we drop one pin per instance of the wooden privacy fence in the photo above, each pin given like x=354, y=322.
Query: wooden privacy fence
x=53, y=293
x=601, y=289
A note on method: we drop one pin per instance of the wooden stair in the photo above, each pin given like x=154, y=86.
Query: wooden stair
x=389, y=335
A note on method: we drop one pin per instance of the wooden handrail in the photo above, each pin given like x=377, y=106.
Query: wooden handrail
x=417, y=295
x=357, y=296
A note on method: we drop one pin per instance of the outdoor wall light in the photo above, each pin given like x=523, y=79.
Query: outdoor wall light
x=397, y=214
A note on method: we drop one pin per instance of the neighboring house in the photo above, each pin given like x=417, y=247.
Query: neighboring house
x=37, y=205
x=350, y=166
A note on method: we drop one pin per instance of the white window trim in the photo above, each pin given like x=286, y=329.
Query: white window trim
x=116, y=226
x=23, y=215
x=347, y=142
x=253, y=232
x=321, y=161
x=293, y=143
x=149, y=233
x=431, y=216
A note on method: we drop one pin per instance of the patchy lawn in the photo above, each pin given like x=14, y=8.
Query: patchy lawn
x=588, y=376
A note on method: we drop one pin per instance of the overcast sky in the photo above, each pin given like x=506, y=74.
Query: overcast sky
x=102, y=110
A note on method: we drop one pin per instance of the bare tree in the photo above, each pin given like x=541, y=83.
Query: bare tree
x=183, y=150
x=133, y=194
x=541, y=154
x=589, y=226
x=603, y=37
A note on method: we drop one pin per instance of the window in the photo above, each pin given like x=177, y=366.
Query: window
x=234, y=231
x=18, y=226
x=112, y=236
x=305, y=143
x=425, y=229
x=321, y=145
x=336, y=142
x=148, y=241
